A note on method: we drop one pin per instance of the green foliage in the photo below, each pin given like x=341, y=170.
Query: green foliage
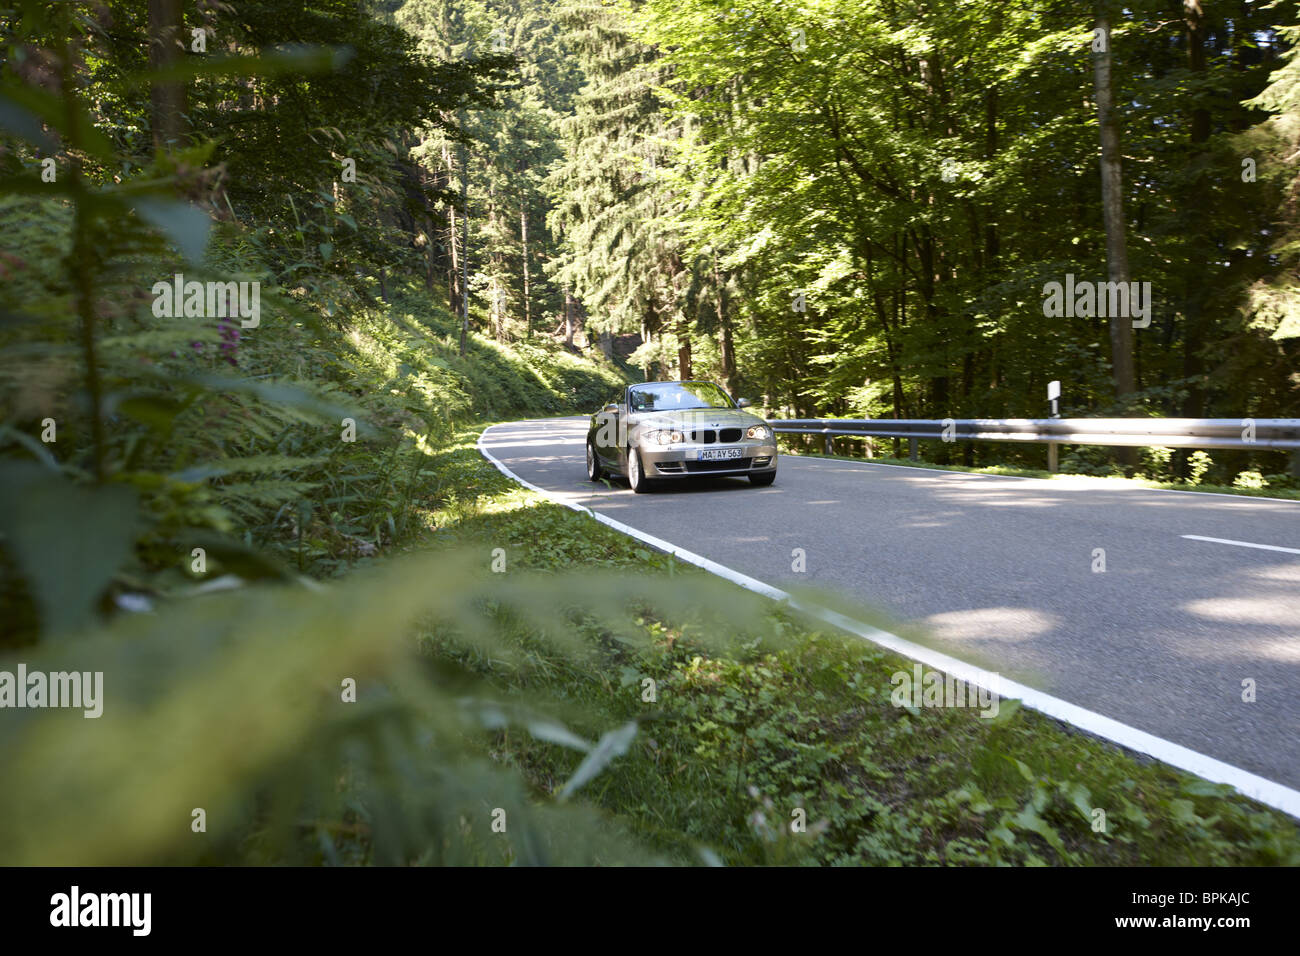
x=1095, y=460
x=1156, y=463
x=1279, y=486
x=188, y=532
x=830, y=199
x=1250, y=479
x=1280, y=482
x=247, y=718
x=1199, y=463
x=40, y=513
x=788, y=718
x=621, y=256
x=233, y=438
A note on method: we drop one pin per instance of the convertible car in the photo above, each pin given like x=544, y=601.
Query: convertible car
x=662, y=430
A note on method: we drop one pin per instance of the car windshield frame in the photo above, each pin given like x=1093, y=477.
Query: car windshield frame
x=683, y=392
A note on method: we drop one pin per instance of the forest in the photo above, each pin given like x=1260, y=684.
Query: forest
x=268, y=268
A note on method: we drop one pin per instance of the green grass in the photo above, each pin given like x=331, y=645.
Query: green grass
x=735, y=745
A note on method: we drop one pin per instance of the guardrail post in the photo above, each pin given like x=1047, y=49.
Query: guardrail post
x=1051, y=456
x=829, y=448
x=911, y=449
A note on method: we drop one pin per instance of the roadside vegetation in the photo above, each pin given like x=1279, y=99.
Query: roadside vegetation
x=331, y=633
x=500, y=661
x=1078, y=464
x=797, y=718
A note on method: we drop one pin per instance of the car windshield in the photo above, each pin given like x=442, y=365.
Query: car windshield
x=669, y=396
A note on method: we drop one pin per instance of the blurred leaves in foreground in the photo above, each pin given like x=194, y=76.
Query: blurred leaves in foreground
x=234, y=703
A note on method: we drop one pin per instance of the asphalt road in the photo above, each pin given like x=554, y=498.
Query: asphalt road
x=999, y=572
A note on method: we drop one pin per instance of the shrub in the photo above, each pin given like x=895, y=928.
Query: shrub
x=1198, y=464
x=1250, y=479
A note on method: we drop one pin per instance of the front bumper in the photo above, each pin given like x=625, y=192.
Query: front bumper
x=682, y=460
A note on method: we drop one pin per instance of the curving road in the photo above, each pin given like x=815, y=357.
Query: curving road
x=998, y=572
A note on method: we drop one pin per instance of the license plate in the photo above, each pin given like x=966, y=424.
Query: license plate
x=719, y=454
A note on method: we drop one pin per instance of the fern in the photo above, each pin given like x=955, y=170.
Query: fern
x=251, y=701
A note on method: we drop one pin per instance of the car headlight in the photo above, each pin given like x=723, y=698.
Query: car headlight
x=758, y=431
x=665, y=437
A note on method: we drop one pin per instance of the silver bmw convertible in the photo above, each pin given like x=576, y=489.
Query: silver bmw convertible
x=664, y=430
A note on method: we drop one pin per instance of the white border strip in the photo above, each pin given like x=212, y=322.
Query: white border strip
x=1241, y=544
x=1266, y=791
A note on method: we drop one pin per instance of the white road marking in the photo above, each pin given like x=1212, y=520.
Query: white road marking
x=1242, y=544
x=1268, y=792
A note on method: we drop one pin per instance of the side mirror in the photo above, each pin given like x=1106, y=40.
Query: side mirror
x=743, y=403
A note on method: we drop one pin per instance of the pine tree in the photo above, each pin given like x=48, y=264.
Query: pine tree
x=621, y=257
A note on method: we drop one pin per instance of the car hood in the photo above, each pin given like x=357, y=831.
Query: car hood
x=698, y=418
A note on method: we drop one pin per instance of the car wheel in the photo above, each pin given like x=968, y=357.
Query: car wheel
x=763, y=479
x=635, y=476
x=593, y=463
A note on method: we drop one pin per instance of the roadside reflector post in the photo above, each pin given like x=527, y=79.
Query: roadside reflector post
x=1053, y=398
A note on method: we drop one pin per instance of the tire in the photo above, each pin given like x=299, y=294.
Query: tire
x=594, y=471
x=636, y=478
x=763, y=479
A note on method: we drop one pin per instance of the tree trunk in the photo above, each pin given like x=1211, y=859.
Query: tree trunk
x=523, y=240
x=1198, y=253
x=1112, y=201
x=166, y=100
x=568, y=317
x=453, y=241
x=464, y=246
x=725, y=346
x=430, y=253
x=684, y=369
x=453, y=279
x=1193, y=339
x=649, y=327
x=494, y=264
x=991, y=246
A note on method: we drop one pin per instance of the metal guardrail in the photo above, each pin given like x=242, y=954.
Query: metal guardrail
x=1279, y=434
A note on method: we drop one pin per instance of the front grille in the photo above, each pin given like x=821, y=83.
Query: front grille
x=729, y=435
x=704, y=436
x=735, y=464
